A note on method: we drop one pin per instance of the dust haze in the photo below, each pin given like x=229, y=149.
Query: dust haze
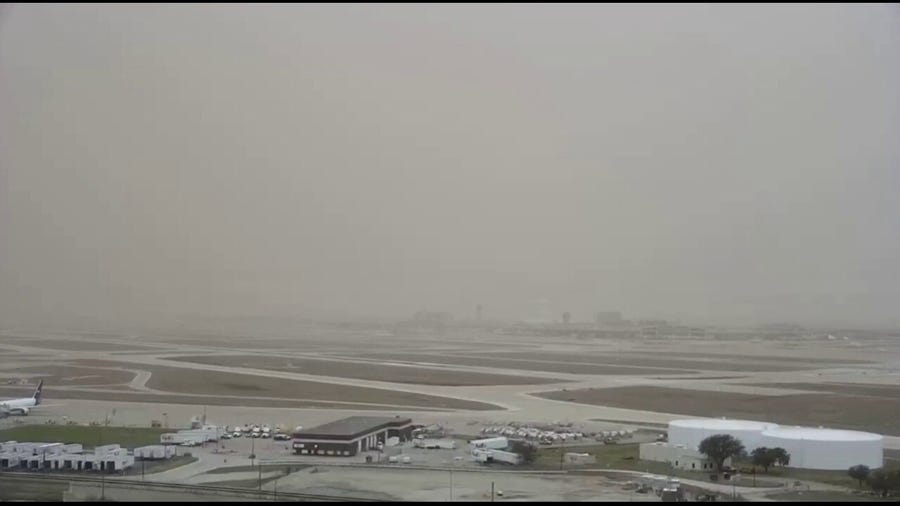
x=706, y=163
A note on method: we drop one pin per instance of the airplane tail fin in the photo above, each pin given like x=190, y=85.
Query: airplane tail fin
x=37, y=393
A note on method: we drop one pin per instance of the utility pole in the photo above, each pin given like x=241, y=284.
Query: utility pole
x=492, y=491
x=143, y=462
x=451, y=485
x=102, y=474
x=259, y=482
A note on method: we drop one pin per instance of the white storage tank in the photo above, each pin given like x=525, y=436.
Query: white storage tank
x=691, y=432
x=828, y=449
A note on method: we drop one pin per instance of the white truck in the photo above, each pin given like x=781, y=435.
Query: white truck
x=440, y=444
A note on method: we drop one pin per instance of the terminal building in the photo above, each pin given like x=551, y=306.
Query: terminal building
x=350, y=436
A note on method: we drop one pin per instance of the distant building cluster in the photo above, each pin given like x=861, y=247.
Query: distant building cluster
x=63, y=457
x=432, y=317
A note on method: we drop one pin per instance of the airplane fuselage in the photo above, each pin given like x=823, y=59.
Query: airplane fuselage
x=18, y=406
x=21, y=406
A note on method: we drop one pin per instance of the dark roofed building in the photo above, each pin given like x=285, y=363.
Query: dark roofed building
x=349, y=436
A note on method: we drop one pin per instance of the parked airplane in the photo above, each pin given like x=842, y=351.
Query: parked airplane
x=21, y=406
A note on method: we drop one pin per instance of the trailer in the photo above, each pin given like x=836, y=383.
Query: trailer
x=9, y=460
x=505, y=457
x=68, y=462
x=25, y=448
x=112, y=463
x=48, y=449
x=101, y=450
x=494, y=443
x=154, y=452
x=439, y=444
x=195, y=436
x=72, y=448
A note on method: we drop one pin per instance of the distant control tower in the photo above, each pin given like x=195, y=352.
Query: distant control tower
x=478, y=310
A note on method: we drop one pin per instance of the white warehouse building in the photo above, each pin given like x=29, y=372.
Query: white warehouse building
x=692, y=431
x=828, y=449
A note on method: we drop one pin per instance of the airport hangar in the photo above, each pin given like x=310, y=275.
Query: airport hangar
x=349, y=436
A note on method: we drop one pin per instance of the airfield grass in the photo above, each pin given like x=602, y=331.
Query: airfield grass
x=14, y=488
x=876, y=414
x=251, y=484
x=626, y=457
x=516, y=364
x=366, y=370
x=89, y=436
x=867, y=389
x=158, y=466
x=113, y=393
x=615, y=457
x=81, y=345
x=839, y=478
x=286, y=468
x=805, y=360
x=185, y=380
x=68, y=375
x=618, y=359
x=826, y=496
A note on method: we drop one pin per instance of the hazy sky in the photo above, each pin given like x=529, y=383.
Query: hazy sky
x=710, y=162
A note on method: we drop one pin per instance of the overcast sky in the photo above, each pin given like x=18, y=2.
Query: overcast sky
x=705, y=162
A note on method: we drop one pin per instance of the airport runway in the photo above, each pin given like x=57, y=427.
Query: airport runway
x=514, y=402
